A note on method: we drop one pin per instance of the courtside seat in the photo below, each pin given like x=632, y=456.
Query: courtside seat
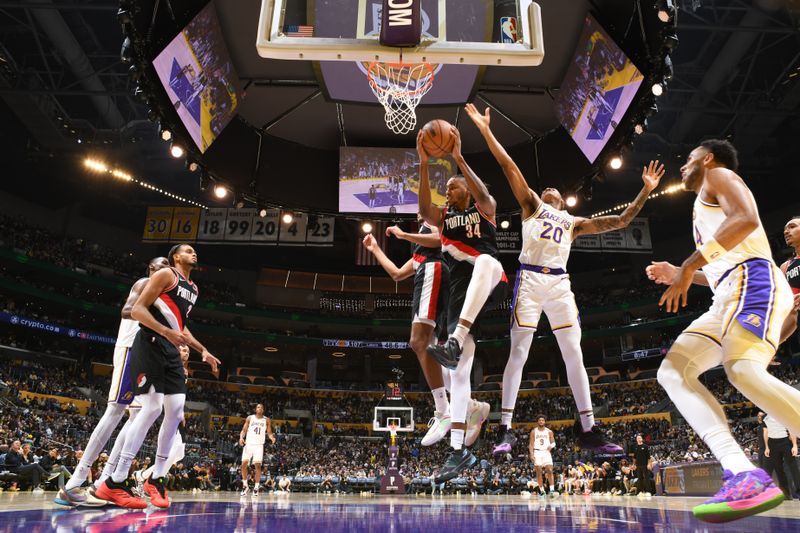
x=198, y=365
x=244, y=380
x=527, y=384
x=547, y=384
x=490, y=385
x=611, y=377
x=299, y=384
x=644, y=374
x=265, y=380
x=494, y=378
x=203, y=374
x=248, y=371
x=538, y=376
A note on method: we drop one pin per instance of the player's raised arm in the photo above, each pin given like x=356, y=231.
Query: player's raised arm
x=651, y=176
x=430, y=213
x=477, y=188
x=663, y=273
x=140, y=312
x=528, y=200
x=397, y=274
x=428, y=240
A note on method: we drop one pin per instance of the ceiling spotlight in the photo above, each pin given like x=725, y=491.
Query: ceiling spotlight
x=658, y=89
x=287, y=217
x=572, y=201
x=338, y=354
x=366, y=227
x=505, y=224
x=220, y=191
x=395, y=356
x=262, y=212
x=615, y=162
x=166, y=135
x=176, y=150
x=270, y=349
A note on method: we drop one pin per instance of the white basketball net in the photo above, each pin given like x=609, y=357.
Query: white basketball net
x=399, y=87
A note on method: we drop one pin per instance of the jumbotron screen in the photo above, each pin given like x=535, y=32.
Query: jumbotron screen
x=597, y=90
x=198, y=76
x=386, y=180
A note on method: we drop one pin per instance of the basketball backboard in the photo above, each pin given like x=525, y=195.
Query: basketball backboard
x=462, y=32
x=400, y=417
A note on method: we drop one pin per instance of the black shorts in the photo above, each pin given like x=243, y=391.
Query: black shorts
x=155, y=362
x=458, y=293
x=429, y=305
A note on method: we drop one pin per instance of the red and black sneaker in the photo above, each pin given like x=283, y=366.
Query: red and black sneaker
x=120, y=494
x=157, y=491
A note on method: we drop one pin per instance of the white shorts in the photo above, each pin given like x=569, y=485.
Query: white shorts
x=121, y=390
x=534, y=293
x=253, y=453
x=542, y=458
x=749, y=307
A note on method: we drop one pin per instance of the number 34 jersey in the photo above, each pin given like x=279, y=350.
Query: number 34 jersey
x=547, y=238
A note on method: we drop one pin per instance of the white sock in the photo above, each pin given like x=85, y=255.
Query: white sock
x=102, y=432
x=462, y=388
x=173, y=414
x=727, y=451
x=569, y=342
x=446, y=379
x=119, y=443
x=505, y=418
x=440, y=400
x=176, y=453
x=152, y=404
x=457, y=438
x=460, y=334
x=486, y=274
x=521, y=339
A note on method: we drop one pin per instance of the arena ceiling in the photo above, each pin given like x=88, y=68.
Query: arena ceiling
x=735, y=75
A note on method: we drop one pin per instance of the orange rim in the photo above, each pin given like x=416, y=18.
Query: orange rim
x=397, y=66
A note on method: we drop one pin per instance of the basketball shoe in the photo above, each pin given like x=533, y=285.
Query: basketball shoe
x=438, y=427
x=446, y=354
x=157, y=491
x=506, y=441
x=120, y=494
x=743, y=494
x=595, y=440
x=456, y=462
x=477, y=413
x=78, y=497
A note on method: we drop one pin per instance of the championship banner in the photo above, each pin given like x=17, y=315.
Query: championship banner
x=509, y=240
x=381, y=345
x=17, y=320
x=221, y=225
x=634, y=238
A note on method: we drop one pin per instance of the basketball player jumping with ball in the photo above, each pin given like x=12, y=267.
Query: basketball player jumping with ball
x=543, y=285
x=468, y=235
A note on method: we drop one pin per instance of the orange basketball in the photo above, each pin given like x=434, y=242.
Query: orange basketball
x=437, y=139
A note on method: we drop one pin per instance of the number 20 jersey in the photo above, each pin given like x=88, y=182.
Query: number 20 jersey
x=547, y=238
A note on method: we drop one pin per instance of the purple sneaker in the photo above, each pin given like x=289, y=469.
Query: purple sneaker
x=507, y=441
x=743, y=494
x=595, y=440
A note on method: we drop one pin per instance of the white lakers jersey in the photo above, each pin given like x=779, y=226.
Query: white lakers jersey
x=256, y=431
x=127, y=332
x=547, y=238
x=541, y=439
x=706, y=220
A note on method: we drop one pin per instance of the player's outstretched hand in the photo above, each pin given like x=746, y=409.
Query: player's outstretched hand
x=241, y=442
x=482, y=121
x=652, y=174
x=457, y=144
x=423, y=155
x=272, y=439
x=369, y=242
x=394, y=231
x=211, y=360
x=661, y=272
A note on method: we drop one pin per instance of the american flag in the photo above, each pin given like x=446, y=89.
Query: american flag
x=363, y=256
x=298, y=31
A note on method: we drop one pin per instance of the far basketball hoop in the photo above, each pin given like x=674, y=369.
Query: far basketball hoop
x=399, y=87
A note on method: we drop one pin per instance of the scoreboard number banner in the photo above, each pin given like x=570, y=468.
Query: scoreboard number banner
x=222, y=225
x=157, y=224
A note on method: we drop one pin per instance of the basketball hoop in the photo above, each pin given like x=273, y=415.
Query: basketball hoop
x=399, y=87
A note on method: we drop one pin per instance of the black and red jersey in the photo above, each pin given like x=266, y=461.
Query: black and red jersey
x=423, y=254
x=172, y=307
x=466, y=235
x=793, y=274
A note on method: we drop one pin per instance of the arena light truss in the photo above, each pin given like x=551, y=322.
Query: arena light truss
x=672, y=189
x=102, y=168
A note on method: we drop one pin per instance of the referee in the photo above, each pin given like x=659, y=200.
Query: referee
x=780, y=446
